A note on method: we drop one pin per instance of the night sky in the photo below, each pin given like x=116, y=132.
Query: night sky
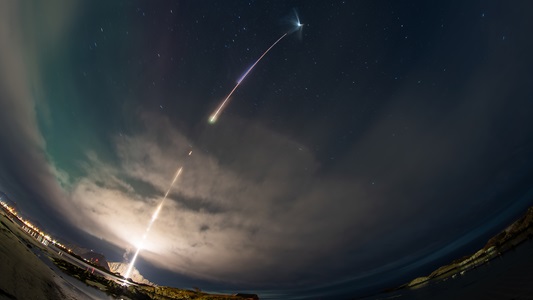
x=383, y=139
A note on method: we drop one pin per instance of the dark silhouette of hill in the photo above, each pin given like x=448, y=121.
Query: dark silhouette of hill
x=97, y=259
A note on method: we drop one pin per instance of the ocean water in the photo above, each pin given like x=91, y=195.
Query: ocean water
x=509, y=276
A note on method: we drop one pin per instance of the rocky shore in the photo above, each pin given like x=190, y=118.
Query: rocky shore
x=508, y=239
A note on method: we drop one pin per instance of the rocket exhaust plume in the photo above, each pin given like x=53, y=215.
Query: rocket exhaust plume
x=154, y=217
x=213, y=118
x=297, y=27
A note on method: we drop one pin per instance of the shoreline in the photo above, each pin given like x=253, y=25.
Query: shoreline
x=513, y=236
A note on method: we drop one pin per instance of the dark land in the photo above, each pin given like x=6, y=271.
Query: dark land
x=501, y=269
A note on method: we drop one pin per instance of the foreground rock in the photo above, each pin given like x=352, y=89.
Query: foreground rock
x=22, y=274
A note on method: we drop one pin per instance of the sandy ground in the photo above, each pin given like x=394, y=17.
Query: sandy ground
x=27, y=273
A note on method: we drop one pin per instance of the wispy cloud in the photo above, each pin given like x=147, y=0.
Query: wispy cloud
x=217, y=220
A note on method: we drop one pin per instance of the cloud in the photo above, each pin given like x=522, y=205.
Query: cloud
x=24, y=167
x=269, y=214
x=281, y=217
x=218, y=219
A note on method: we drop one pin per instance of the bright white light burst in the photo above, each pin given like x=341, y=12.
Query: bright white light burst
x=298, y=25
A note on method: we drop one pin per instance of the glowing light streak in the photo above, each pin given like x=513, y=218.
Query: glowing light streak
x=213, y=118
x=154, y=217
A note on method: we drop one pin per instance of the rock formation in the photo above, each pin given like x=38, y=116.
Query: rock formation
x=121, y=268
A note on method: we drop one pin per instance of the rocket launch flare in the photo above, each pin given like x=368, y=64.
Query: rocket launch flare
x=173, y=180
x=154, y=217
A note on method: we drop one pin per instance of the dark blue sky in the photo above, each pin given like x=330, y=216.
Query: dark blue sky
x=382, y=140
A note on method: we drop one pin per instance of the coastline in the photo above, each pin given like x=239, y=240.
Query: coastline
x=513, y=236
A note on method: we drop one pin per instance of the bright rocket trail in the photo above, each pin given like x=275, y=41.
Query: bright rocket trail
x=154, y=217
x=213, y=118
